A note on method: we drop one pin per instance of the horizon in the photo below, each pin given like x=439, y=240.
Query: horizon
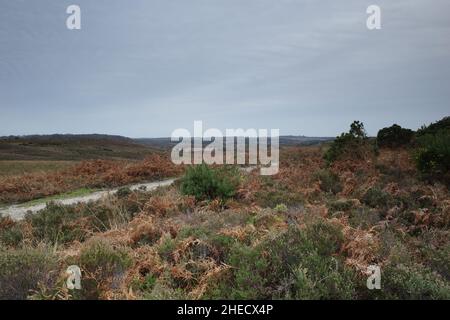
x=168, y=137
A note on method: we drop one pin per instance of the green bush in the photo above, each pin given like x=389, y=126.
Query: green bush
x=24, y=270
x=376, y=198
x=281, y=208
x=354, y=144
x=364, y=217
x=412, y=282
x=103, y=264
x=297, y=264
x=273, y=193
x=434, y=128
x=394, y=136
x=56, y=223
x=100, y=256
x=341, y=205
x=123, y=192
x=438, y=259
x=206, y=183
x=329, y=181
x=433, y=155
x=64, y=224
x=11, y=234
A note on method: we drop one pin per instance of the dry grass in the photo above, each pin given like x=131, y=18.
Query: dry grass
x=181, y=249
x=87, y=174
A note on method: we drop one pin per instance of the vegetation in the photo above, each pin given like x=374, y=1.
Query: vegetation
x=394, y=136
x=309, y=232
x=434, y=128
x=71, y=148
x=329, y=181
x=206, y=183
x=85, y=175
x=354, y=143
x=433, y=154
x=24, y=270
x=17, y=167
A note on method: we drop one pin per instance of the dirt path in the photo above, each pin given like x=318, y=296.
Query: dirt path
x=17, y=212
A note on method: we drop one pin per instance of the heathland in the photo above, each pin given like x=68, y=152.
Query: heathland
x=309, y=232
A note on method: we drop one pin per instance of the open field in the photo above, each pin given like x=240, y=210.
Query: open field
x=309, y=232
x=17, y=167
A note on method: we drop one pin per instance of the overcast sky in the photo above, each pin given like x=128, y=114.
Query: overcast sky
x=143, y=68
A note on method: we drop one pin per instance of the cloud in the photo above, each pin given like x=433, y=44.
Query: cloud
x=306, y=67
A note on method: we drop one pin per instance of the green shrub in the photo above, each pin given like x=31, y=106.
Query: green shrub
x=341, y=205
x=148, y=283
x=11, y=234
x=273, y=193
x=329, y=181
x=325, y=237
x=166, y=248
x=433, y=154
x=281, y=208
x=412, y=282
x=354, y=144
x=24, y=270
x=297, y=264
x=64, y=224
x=56, y=223
x=206, y=183
x=101, y=256
x=364, y=217
x=123, y=192
x=394, y=136
x=434, y=128
x=438, y=259
x=376, y=198
x=103, y=264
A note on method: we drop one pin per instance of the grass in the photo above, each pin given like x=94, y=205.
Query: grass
x=17, y=167
x=307, y=233
x=87, y=174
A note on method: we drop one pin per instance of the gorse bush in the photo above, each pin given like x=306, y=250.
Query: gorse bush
x=206, y=183
x=102, y=256
x=329, y=181
x=56, y=223
x=296, y=264
x=394, y=136
x=23, y=270
x=413, y=282
x=103, y=265
x=353, y=143
x=376, y=198
x=10, y=232
x=434, y=128
x=433, y=155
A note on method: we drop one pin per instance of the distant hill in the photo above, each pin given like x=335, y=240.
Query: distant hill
x=166, y=143
x=71, y=147
x=100, y=146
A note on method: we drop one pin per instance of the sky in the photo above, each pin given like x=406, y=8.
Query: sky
x=144, y=68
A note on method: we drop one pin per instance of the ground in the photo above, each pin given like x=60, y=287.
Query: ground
x=310, y=232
